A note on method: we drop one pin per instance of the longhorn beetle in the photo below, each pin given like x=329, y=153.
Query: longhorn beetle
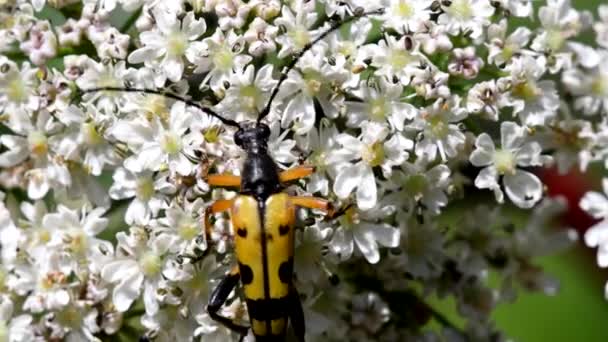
x=263, y=218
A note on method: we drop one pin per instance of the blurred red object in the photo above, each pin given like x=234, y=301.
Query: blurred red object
x=572, y=186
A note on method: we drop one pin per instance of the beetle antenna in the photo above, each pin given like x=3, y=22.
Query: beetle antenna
x=172, y=96
x=358, y=13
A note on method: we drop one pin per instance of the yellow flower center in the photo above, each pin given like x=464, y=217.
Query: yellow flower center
x=461, y=9
x=90, y=134
x=378, y=109
x=188, y=229
x=314, y=83
x=212, y=135
x=504, y=161
x=599, y=86
x=3, y=331
x=317, y=158
x=300, y=37
x=77, y=242
x=399, y=59
x=16, y=90
x=438, y=127
x=350, y=218
x=150, y=264
x=69, y=317
x=250, y=97
x=373, y=155
x=144, y=188
x=38, y=143
x=527, y=91
x=403, y=9
x=171, y=143
x=157, y=105
x=416, y=185
x=177, y=43
x=43, y=236
x=555, y=40
x=223, y=58
x=347, y=48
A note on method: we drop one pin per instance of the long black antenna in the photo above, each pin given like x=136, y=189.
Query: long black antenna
x=358, y=13
x=172, y=96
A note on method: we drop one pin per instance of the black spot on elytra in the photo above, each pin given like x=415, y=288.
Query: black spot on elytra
x=246, y=274
x=283, y=230
x=268, y=309
x=242, y=232
x=269, y=237
x=286, y=271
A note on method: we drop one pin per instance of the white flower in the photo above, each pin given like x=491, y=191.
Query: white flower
x=14, y=328
x=112, y=44
x=522, y=187
x=601, y=27
x=218, y=55
x=35, y=142
x=248, y=93
x=596, y=204
x=85, y=136
x=381, y=102
x=395, y=59
x=297, y=27
x=167, y=45
x=309, y=254
x=315, y=80
x=440, y=133
x=98, y=75
x=148, y=193
x=320, y=143
x=182, y=226
x=561, y=22
x=159, y=144
x=17, y=87
x=365, y=230
x=42, y=44
x=502, y=48
x=466, y=16
x=406, y=15
x=487, y=98
x=465, y=63
x=371, y=149
x=534, y=100
x=261, y=37
x=420, y=183
x=571, y=141
x=138, y=264
x=75, y=233
x=590, y=86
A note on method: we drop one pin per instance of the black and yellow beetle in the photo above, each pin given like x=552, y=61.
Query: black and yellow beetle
x=263, y=217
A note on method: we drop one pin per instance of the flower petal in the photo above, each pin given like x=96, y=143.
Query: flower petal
x=523, y=188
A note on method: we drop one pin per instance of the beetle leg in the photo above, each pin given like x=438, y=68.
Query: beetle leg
x=216, y=207
x=218, y=298
x=223, y=180
x=297, y=172
x=296, y=314
x=314, y=203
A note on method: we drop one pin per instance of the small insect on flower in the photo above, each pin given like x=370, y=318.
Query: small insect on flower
x=263, y=217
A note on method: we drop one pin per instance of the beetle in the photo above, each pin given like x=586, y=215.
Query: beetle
x=263, y=219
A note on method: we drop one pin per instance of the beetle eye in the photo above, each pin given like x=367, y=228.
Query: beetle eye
x=263, y=131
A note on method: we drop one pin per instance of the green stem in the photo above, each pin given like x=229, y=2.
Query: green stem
x=130, y=21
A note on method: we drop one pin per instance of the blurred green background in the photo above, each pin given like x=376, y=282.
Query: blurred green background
x=579, y=312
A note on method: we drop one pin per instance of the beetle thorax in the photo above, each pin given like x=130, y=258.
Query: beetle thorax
x=259, y=177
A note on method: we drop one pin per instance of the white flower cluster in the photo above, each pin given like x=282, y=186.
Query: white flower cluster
x=409, y=115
